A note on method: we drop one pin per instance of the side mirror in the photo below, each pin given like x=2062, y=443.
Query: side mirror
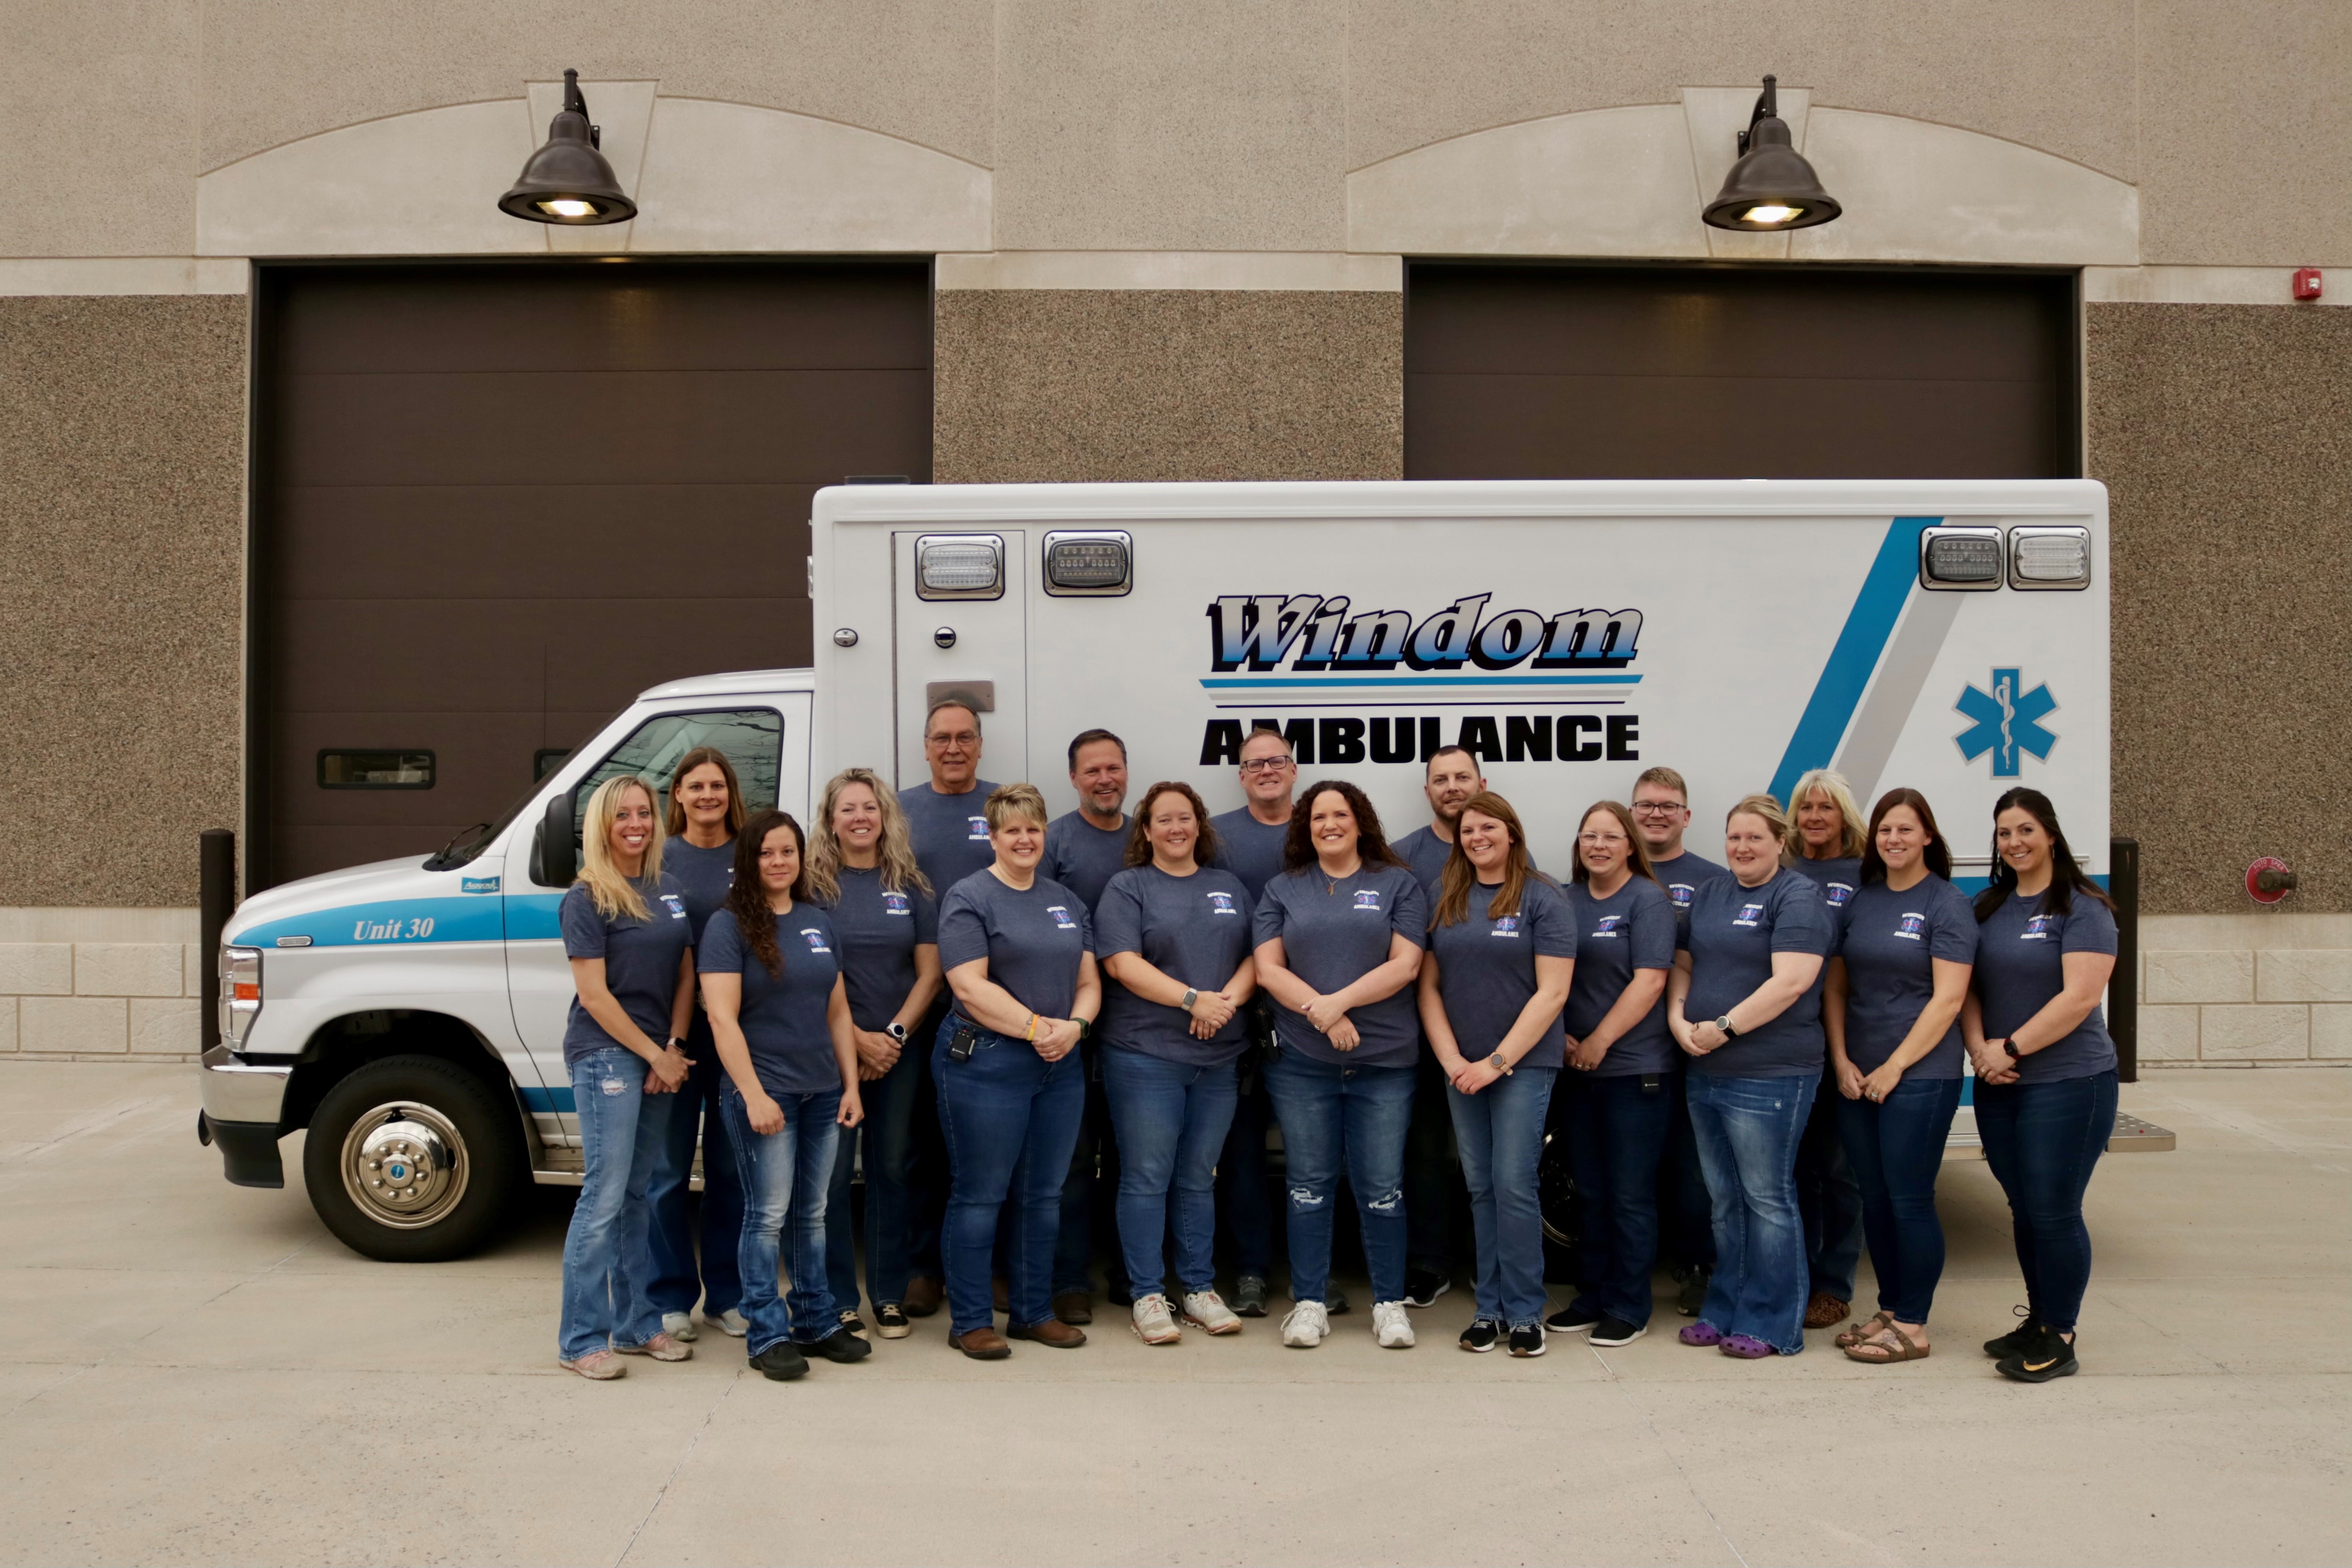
x=555, y=857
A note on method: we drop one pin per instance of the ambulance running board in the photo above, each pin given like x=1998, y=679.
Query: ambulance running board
x=2131, y=1136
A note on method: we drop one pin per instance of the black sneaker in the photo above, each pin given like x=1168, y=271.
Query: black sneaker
x=1481, y=1335
x=781, y=1362
x=1422, y=1286
x=2044, y=1356
x=1610, y=1332
x=891, y=1323
x=1249, y=1295
x=2014, y=1340
x=1527, y=1339
x=852, y=1322
x=1573, y=1318
x=843, y=1346
x=1335, y=1300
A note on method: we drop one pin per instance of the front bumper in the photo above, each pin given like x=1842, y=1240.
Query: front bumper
x=242, y=1103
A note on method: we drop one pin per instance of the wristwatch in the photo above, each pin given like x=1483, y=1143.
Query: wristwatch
x=1191, y=994
x=2014, y=1054
x=896, y=1030
x=1724, y=1024
x=1085, y=1027
x=675, y=1042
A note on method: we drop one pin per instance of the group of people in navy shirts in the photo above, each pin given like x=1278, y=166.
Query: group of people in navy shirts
x=1052, y=1033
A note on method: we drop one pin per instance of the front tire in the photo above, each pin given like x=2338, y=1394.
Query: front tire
x=414, y=1160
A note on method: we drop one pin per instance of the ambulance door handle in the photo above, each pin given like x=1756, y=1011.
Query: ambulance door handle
x=945, y=636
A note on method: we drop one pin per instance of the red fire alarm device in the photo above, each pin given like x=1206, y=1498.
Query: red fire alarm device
x=2307, y=282
x=2268, y=881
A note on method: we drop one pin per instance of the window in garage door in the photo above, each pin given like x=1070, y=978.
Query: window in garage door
x=1565, y=371
x=494, y=502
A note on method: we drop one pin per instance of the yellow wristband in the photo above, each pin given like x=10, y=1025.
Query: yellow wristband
x=1031, y=1035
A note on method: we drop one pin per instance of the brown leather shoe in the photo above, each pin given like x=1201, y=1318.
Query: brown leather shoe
x=981, y=1345
x=1052, y=1333
x=922, y=1298
x=1074, y=1306
x=1825, y=1310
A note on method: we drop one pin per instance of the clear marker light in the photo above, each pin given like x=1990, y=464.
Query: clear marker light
x=1772, y=213
x=568, y=207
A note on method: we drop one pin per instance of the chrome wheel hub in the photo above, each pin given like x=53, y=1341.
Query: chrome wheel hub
x=405, y=1165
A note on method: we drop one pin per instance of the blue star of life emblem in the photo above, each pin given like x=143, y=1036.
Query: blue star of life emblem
x=2005, y=723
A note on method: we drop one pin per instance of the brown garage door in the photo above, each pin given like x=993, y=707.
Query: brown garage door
x=1545, y=372
x=492, y=503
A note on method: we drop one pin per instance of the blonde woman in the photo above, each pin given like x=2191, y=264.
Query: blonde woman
x=626, y=933
x=862, y=870
x=1827, y=845
x=1749, y=969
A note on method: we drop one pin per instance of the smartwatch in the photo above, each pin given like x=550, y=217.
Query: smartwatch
x=1191, y=994
x=1724, y=1024
x=2014, y=1054
x=1085, y=1027
x=896, y=1030
x=674, y=1042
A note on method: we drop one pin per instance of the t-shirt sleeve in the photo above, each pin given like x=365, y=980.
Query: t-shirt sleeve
x=927, y=916
x=1802, y=923
x=1118, y=919
x=1554, y=923
x=1657, y=927
x=2090, y=928
x=1266, y=921
x=1953, y=934
x=1411, y=920
x=584, y=928
x=722, y=951
x=963, y=931
x=1085, y=925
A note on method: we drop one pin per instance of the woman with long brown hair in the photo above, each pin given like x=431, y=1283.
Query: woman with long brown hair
x=1501, y=954
x=1340, y=937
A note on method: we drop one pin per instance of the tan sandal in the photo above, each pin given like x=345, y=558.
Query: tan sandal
x=1888, y=1346
x=1854, y=1334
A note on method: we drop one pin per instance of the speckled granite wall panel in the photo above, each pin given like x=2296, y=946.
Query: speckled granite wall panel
x=2224, y=435
x=1073, y=384
x=122, y=462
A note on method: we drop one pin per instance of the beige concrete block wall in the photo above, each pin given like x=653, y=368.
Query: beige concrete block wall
x=100, y=984
x=2268, y=987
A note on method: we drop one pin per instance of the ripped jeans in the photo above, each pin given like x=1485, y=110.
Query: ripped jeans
x=1333, y=1114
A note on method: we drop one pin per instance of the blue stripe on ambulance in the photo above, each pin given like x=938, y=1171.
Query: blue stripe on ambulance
x=548, y=1101
x=1856, y=653
x=397, y=922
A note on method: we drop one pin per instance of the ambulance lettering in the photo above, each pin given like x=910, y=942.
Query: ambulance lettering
x=1221, y=904
x=1369, y=898
x=1505, y=925
x=1912, y=927
x=2038, y=928
x=897, y=904
x=1607, y=928
x=977, y=831
x=815, y=939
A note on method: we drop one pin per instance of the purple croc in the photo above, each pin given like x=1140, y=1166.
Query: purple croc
x=1744, y=1347
x=1701, y=1333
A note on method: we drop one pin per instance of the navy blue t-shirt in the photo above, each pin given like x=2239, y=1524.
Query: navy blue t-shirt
x=2021, y=967
x=1632, y=929
x=1033, y=938
x=1195, y=929
x=1731, y=935
x=1082, y=857
x=1838, y=878
x=878, y=933
x=703, y=875
x=1335, y=932
x=1426, y=853
x=950, y=832
x=1683, y=876
x=783, y=1014
x=1249, y=848
x=1890, y=942
x=1486, y=969
x=640, y=959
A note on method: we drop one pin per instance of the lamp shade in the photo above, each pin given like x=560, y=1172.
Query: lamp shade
x=1771, y=187
x=567, y=180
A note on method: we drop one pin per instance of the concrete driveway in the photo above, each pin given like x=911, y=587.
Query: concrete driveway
x=196, y=1373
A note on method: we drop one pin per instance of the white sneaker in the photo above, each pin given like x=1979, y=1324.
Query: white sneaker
x=1154, y=1324
x=1391, y=1326
x=1208, y=1310
x=1306, y=1326
x=729, y=1321
x=678, y=1325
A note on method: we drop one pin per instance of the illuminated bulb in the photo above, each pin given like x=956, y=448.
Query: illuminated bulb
x=571, y=207
x=1770, y=213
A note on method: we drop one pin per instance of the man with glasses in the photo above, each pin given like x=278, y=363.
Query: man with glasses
x=1660, y=814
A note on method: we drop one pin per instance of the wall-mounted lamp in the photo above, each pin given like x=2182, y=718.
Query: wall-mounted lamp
x=1771, y=187
x=567, y=180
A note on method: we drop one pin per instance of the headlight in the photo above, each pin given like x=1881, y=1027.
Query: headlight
x=240, y=993
x=1963, y=560
x=959, y=566
x=1088, y=563
x=2047, y=557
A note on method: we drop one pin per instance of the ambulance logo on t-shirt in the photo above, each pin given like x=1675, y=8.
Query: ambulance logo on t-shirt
x=676, y=906
x=1505, y=925
x=1221, y=904
x=1608, y=926
x=1837, y=893
x=1062, y=917
x=979, y=830
x=1680, y=892
x=1369, y=898
x=814, y=938
x=1748, y=915
x=897, y=904
x=2038, y=929
x=1912, y=927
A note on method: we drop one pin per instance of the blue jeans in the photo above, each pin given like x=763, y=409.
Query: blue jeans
x=2041, y=1140
x=1500, y=1132
x=888, y=1135
x=1617, y=1133
x=606, y=1261
x=1897, y=1148
x=1087, y=1203
x=1333, y=1115
x=677, y=1282
x=1686, y=1231
x=1243, y=1203
x=1170, y=1120
x=1747, y=1129
x=1829, y=1200
x=1011, y=1120
x=784, y=1176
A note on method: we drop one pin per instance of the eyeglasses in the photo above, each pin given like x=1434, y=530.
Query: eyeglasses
x=1658, y=807
x=1597, y=839
x=1264, y=764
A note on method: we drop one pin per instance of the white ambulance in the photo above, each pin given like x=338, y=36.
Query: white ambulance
x=1948, y=635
